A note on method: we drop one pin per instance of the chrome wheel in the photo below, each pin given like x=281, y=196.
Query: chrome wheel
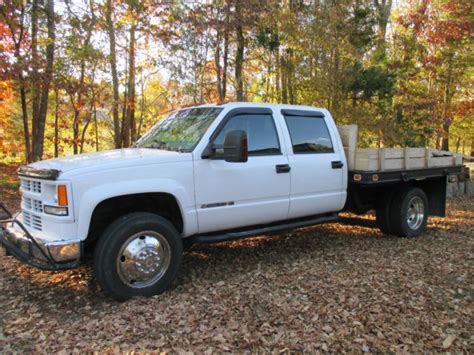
x=415, y=213
x=143, y=259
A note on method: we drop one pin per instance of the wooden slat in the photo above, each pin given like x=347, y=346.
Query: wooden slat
x=385, y=159
x=348, y=136
x=406, y=156
x=382, y=158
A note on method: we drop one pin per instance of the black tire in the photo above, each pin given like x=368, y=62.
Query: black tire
x=115, y=237
x=399, y=213
x=382, y=211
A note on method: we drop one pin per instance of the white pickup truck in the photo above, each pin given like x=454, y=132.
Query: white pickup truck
x=205, y=174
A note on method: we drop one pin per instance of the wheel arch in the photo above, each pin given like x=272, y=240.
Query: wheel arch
x=139, y=191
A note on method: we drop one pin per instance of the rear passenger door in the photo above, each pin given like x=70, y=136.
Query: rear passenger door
x=317, y=173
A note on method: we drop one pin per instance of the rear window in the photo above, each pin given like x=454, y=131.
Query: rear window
x=309, y=134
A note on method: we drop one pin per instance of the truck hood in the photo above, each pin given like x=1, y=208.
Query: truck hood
x=110, y=159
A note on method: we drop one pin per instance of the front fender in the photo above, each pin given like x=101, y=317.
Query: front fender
x=92, y=197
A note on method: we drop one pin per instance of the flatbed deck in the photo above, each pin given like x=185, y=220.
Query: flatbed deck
x=395, y=176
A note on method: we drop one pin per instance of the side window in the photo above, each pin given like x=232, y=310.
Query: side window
x=309, y=134
x=261, y=133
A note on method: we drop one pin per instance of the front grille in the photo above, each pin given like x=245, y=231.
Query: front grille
x=32, y=221
x=32, y=204
x=31, y=186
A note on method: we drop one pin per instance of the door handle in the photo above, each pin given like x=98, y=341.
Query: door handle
x=337, y=164
x=282, y=168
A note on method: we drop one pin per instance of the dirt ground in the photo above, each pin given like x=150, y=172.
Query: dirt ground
x=331, y=288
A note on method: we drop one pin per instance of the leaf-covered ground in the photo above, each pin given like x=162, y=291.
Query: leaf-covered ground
x=340, y=287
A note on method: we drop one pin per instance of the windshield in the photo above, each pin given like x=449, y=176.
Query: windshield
x=180, y=131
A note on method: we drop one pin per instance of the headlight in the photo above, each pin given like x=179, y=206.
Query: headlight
x=58, y=211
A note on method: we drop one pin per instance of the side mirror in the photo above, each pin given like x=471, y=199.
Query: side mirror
x=236, y=147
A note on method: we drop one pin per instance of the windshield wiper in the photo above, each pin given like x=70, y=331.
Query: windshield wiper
x=157, y=145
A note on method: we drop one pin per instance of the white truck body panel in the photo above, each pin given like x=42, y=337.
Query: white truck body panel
x=253, y=192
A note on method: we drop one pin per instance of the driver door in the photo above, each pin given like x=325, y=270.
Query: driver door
x=231, y=195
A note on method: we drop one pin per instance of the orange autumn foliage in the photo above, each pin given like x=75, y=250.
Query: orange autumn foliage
x=6, y=109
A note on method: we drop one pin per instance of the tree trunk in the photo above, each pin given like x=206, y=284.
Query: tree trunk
x=267, y=82
x=35, y=79
x=26, y=129
x=221, y=70
x=448, y=96
x=130, y=126
x=226, y=57
x=290, y=77
x=142, y=108
x=284, y=81
x=336, y=93
x=278, y=75
x=56, y=121
x=113, y=69
x=92, y=108
x=75, y=131
x=445, y=137
x=203, y=72
x=217, y=63
x=384, y=8
x=83, y=135
x=48, y=74
x=239, y=56
x=96, y=129
x=78, y=105
x=217, y=60
x=458, y=144
x=125, y=125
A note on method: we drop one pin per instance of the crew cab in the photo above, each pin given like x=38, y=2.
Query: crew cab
x=205, y=174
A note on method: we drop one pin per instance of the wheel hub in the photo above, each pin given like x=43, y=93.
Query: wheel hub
x=415, y=213
x=143, y=259
x=147, y=261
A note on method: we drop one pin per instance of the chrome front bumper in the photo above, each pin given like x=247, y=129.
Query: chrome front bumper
x=45, y=255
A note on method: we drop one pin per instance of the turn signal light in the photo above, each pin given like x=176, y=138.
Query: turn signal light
x=62, y=195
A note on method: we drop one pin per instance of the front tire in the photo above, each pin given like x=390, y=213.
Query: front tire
x=138, y=255
x=409, y=213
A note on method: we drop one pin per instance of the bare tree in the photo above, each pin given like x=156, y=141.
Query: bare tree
x=113, y=68
x=239, y=55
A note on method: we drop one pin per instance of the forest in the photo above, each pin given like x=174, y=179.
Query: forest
x=87, y=75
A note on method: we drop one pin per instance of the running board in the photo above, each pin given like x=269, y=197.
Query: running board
x=216, y=238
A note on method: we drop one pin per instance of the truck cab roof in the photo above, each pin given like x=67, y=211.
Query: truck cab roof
x=238, y=104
